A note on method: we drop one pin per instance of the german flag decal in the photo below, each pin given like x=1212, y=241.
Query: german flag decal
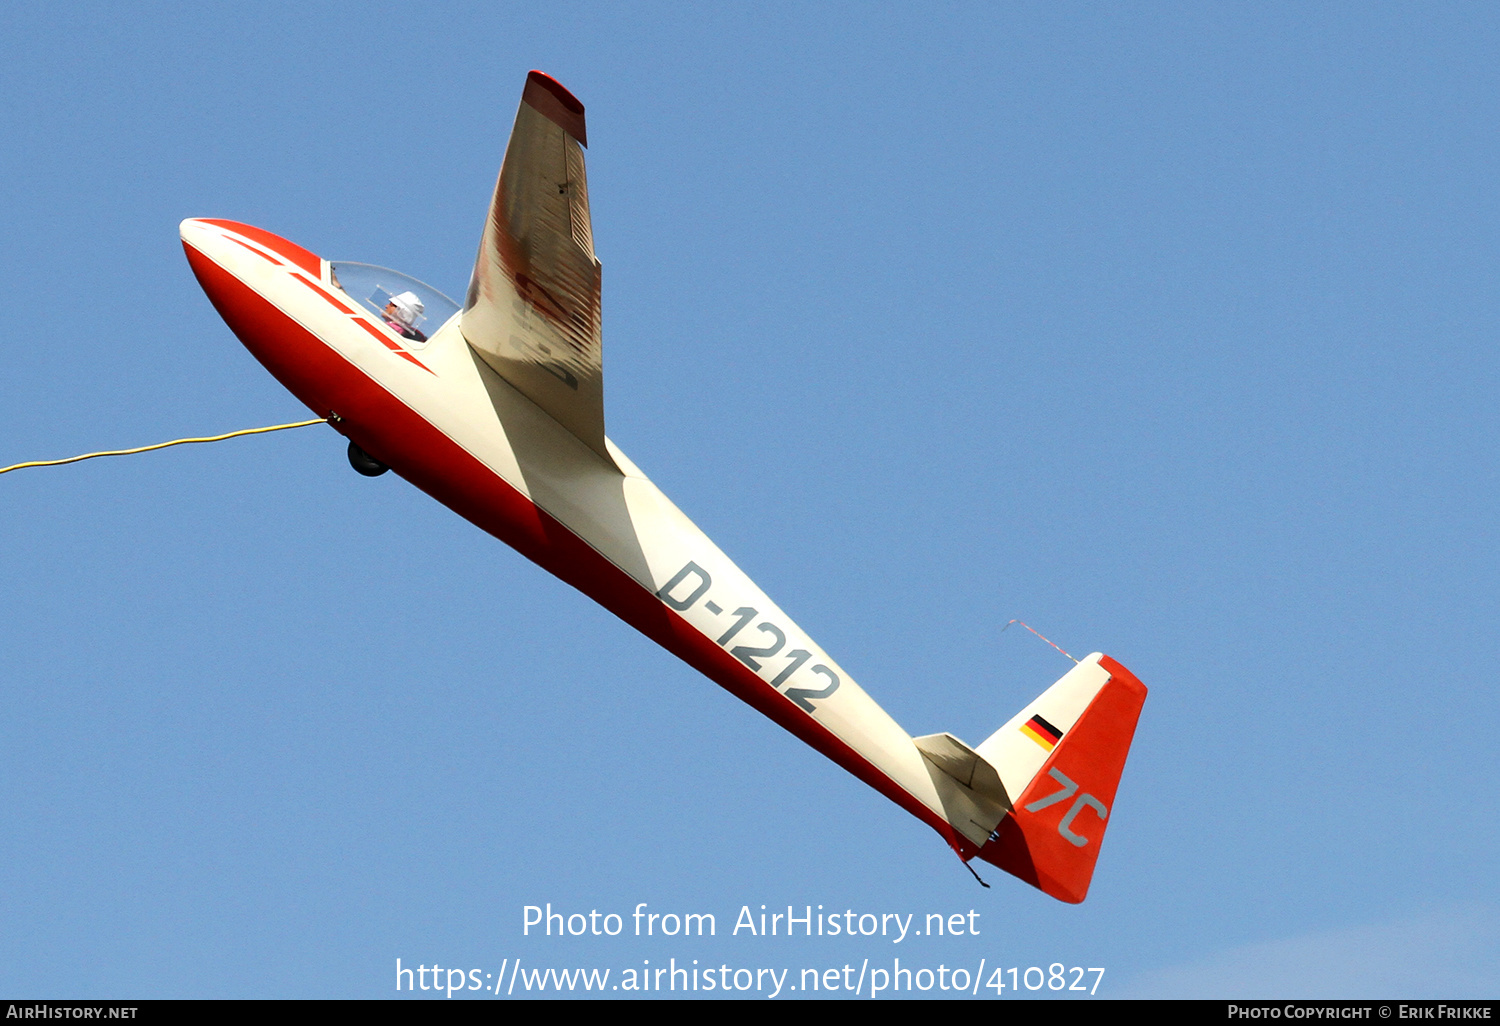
x=1042, y=732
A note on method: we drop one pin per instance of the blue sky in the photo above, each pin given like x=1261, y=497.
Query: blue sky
x=1169, y=329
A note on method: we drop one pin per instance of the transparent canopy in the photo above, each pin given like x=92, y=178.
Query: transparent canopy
x=383, y=291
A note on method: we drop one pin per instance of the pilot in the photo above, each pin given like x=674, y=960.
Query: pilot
x=401, y=315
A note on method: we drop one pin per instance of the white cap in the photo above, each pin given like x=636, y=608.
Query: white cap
x=408, y=308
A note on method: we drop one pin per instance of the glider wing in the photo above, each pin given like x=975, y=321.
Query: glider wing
x=532, y=309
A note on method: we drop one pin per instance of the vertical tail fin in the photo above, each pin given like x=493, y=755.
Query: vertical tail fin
x=1063, y=755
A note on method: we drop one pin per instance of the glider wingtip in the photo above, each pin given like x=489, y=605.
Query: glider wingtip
x=552, y=100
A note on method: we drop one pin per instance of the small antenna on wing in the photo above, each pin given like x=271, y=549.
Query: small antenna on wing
x=976, y=876
x=1034, y=631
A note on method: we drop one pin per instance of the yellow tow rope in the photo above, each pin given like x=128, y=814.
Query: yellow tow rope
x=162, y=445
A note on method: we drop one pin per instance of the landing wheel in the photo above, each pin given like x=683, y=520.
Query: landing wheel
x=365, y=463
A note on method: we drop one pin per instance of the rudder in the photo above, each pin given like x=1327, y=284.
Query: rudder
x=1051, y=837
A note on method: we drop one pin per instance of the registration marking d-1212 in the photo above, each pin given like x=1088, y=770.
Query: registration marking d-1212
x=750, y=655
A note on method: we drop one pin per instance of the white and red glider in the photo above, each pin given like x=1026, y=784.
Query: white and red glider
x=499, y=415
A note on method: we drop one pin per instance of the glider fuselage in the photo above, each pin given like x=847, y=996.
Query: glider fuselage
x=500, y=416
x=440, y=417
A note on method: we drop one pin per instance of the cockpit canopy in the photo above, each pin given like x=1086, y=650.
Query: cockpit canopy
x=377, y=288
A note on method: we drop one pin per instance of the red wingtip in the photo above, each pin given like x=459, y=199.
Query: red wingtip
x=551, y=100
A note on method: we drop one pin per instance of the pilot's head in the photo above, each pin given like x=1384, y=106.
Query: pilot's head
x=404, y=309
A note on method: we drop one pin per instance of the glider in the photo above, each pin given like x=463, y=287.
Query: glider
x=496, y=409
